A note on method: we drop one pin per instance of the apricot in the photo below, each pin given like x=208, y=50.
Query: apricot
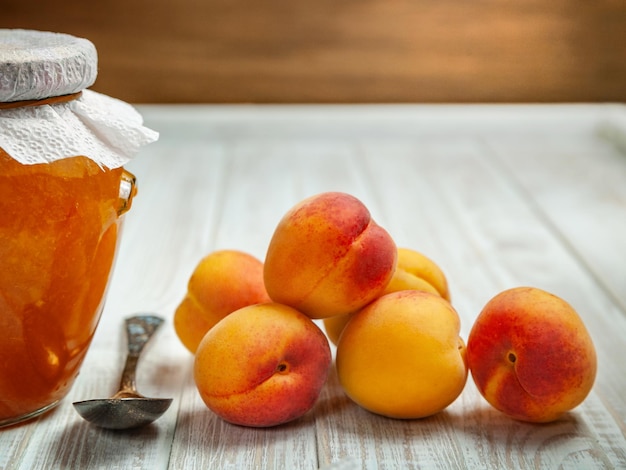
x=335, y=325
x=328, y=257
x=222, y=282
x=413, y=271
x=530, y=355
x=402, y=356
x=262, y=365
x=190, y=323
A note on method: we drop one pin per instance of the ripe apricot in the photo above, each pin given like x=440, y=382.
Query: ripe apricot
x=222, y=282
x=402, y=356
x=417, y=271
x=262, y=365
x=414, y=271
x=190, y=323
x=530, y=355
x=328, y=257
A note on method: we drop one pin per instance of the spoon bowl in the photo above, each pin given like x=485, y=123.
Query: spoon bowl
x=122, y=413
x=127, y=408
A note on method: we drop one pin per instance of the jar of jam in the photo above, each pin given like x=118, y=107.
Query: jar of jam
x=63, y=194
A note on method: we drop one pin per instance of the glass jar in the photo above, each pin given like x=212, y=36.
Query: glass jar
x=59, y=230
x=56, y=255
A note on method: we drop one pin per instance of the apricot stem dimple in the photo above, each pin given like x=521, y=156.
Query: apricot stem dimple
x=512, y=357
x=282, y=368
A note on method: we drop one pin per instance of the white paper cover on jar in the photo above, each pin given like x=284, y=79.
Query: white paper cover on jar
x=35, y=65
x=105, y=129
x=38, y=64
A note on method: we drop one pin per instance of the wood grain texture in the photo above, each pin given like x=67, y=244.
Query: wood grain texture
x=498, y=196
x=372, y=51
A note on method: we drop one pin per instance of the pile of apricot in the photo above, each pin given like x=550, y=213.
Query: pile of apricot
x=260, y=358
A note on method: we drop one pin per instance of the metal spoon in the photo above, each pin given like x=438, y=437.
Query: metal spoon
x=127, y=408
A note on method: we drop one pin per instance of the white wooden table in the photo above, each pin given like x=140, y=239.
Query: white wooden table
x=498, y=196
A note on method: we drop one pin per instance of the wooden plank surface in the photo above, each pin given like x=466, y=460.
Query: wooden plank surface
x=498, y=196
x=373, y=51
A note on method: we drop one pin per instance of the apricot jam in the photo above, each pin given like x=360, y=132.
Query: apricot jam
x=59, y=226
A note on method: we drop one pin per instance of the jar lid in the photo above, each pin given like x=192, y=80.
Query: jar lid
x=35, y=65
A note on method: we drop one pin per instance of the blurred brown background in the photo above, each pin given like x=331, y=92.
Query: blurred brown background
x=350, y=51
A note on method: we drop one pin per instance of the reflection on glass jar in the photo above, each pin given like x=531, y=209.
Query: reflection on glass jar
x=59, y=225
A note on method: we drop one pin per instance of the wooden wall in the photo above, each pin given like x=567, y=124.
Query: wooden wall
x=289, y=51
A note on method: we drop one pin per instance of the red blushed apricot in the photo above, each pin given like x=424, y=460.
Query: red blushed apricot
x=328, y=257
x=262, y=365
x=530, y=355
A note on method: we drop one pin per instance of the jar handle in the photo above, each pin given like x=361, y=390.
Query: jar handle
x=128, y=189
